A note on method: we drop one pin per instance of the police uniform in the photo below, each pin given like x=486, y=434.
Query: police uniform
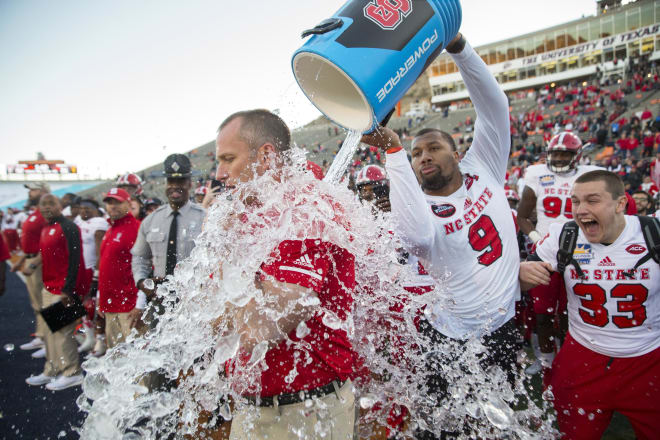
x=150, y=249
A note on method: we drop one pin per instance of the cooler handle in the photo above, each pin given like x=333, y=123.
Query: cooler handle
x=325, y=26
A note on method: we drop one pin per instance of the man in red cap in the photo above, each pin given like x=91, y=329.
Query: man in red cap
x=117, y=290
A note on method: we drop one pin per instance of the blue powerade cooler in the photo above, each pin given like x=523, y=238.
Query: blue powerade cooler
x=358, y=64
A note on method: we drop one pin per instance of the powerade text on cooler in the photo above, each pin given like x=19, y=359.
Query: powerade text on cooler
x=358, y=64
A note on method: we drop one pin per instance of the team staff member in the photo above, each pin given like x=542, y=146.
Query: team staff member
x=117, y=290
x=610, y=360
x=29, y=264
x=167, y=235
x=250, y=144
x=61, y=252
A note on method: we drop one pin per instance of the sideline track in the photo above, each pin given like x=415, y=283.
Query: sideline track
x=28, y=412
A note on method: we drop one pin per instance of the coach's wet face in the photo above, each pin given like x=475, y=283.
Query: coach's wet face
x=435, y=163
x=599, y=215
x=237, y=161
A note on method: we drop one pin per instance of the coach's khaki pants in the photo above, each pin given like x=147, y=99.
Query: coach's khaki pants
x=35, y=285
x=61, y=348
x=336, y=420
x=117, y=328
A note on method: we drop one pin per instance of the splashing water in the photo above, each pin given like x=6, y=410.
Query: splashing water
x=343, y=158
x=204, y=303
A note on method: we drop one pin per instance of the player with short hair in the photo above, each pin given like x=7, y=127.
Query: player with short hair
x=610, y=360
x=547, y=188
x=459, y=221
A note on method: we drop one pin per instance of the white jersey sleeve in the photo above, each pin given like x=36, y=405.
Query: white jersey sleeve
x=491, y=145
x=609, y=312
x=412, y=218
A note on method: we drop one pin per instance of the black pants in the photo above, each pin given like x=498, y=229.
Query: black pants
x=502, y=347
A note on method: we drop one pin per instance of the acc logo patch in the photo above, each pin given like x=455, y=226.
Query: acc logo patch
x=443, y=211
x=583, y=253
x=388, y=14
x=635, y=249
x=547, y=180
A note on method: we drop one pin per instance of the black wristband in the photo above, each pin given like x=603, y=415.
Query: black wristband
x=458, y=46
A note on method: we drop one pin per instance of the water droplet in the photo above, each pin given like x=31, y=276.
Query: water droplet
x=149, y=284
x=9, y=347
x=225, y=411
x=548, y=395
x=61, y=434
x=258, y=353
x=502, y=311
x=367, y=401
x=591, y=416
x=581, y=411
x=302, y=330
x=498, y=412
x=331, y=320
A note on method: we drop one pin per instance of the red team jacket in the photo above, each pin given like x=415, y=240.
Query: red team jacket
x=117, y=290
x=62, y=258
x=31, y=232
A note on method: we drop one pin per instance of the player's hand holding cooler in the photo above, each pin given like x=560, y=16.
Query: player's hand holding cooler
x=610, y=360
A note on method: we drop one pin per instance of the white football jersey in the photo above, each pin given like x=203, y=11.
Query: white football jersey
x=87, y=230
x=466, y=241
x=553, y=194
x=609, y=313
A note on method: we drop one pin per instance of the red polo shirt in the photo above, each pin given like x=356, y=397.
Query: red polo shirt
x=31, y=232
x=62, y=258
x=117, y=291
x=324, y=354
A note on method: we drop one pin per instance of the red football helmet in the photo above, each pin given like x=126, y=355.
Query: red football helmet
x=370, y=174
x=565, y=141
x=511, y=194
x=201, y=190
x=130, y=179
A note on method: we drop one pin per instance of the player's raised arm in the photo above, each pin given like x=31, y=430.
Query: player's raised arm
x=409, y=207
x=492, y=136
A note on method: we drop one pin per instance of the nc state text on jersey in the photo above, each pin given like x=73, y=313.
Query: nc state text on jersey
x=474, y=212
x=409, y=64
x=611, y=274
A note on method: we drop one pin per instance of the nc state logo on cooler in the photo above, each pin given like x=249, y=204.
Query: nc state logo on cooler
x=388, y=14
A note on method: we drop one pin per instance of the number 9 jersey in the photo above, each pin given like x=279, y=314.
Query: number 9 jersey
x=553, y=193
x=608, y=312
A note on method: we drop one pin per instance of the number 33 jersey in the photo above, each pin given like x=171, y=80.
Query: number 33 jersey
x=553, y=194
x=610, y=313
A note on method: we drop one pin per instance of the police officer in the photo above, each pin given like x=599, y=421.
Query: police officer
x=167, y=235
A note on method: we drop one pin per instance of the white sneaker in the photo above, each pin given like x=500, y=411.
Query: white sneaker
x=41, y=379
x=63, y=382
x=33, y=344
x=41, y=353
x=88, y=342
x=533, y=369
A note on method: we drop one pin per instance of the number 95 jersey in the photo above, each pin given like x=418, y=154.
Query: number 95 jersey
x=610, y=313
x=553, y=194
